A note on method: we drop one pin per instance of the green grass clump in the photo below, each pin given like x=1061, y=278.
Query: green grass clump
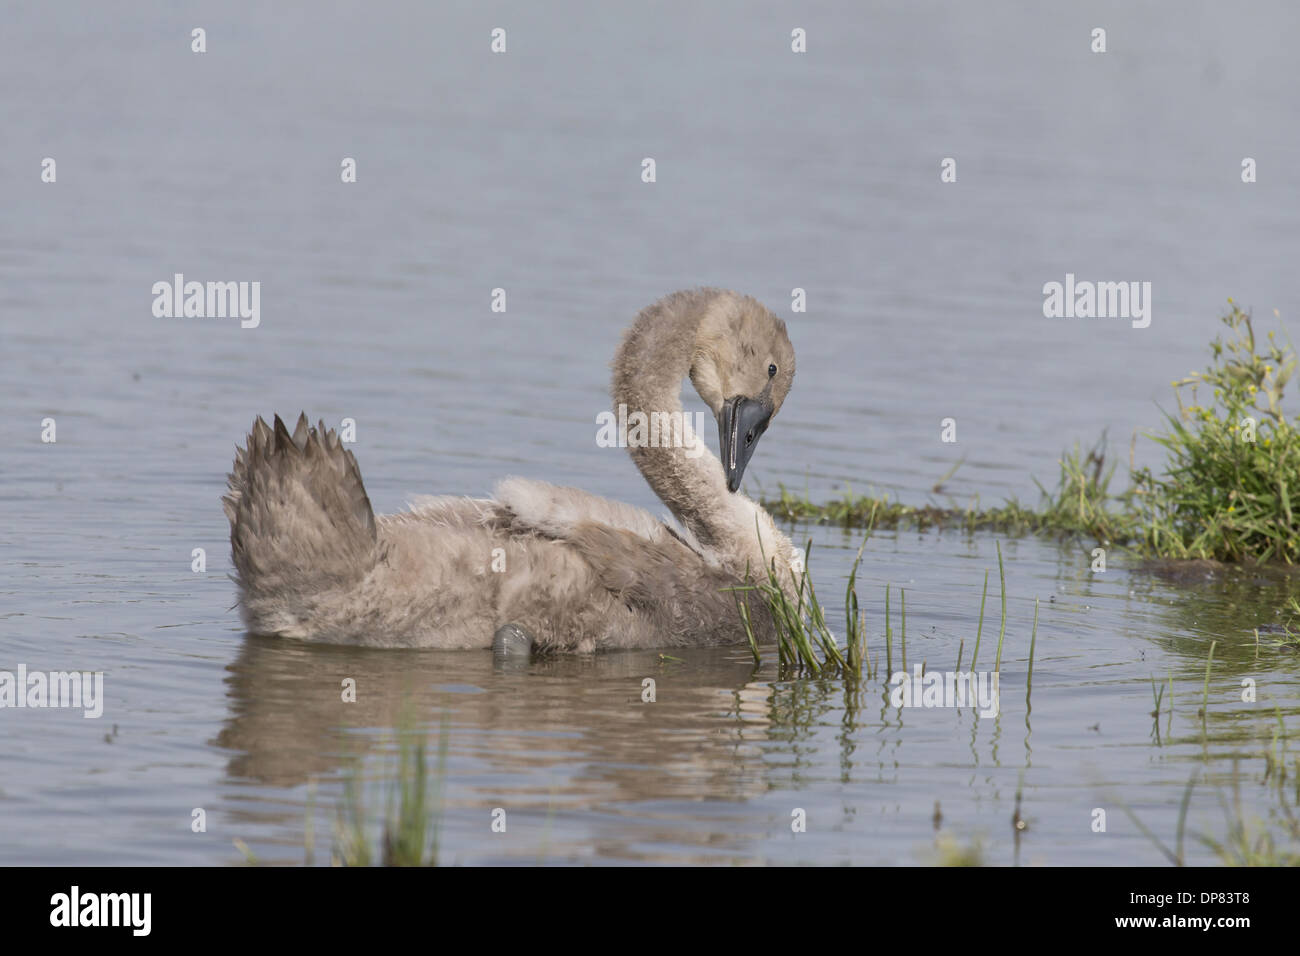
x=1081, y=504
x=1228, y=482
x=804, y=642
x=1290, y=638
x=410, y=830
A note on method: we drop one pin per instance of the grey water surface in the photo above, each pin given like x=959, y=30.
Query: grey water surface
x=522, y=171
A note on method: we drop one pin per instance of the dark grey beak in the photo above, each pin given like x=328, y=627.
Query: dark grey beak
x=741, y=424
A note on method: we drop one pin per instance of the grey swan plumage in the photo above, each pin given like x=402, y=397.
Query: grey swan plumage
x=581, y=573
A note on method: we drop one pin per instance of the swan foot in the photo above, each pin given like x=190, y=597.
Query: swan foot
x=511, y=642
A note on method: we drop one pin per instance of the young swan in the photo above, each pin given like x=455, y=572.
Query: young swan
x=536, y=566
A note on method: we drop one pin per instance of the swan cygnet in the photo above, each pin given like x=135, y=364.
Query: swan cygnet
x=536, y=566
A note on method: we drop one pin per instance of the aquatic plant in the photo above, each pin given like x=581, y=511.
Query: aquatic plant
x=1226, y=488
x=1289, y=638
x=1246, y=841
x=411, y=820
x=1080, y=505
x=805, y=643
x=1224, y=492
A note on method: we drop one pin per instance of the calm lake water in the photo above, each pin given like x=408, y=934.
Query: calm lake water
x=522, y=171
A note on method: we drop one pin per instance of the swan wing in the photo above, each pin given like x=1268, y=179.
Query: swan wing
x=556, y=511
x=647, y=563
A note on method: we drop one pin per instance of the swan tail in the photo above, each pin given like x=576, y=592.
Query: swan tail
x=301, y=525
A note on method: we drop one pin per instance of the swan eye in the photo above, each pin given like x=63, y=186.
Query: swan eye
x=749, y=437
x=771, y=371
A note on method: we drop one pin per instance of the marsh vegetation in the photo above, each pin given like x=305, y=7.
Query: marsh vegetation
x=1224, y=493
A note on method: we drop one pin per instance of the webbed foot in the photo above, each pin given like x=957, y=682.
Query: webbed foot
x=511, y=643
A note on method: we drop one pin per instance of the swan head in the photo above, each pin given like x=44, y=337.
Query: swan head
x=743, y=367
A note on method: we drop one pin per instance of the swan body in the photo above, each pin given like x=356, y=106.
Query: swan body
x=538, y=565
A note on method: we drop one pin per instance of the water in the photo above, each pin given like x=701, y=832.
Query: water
x=522, y=172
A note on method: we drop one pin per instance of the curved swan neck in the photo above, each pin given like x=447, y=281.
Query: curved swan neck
x=657, y=352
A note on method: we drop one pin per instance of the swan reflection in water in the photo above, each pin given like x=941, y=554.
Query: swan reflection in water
x=540, y=738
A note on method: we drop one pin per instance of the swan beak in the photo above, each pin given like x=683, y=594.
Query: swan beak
x=741, y=424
